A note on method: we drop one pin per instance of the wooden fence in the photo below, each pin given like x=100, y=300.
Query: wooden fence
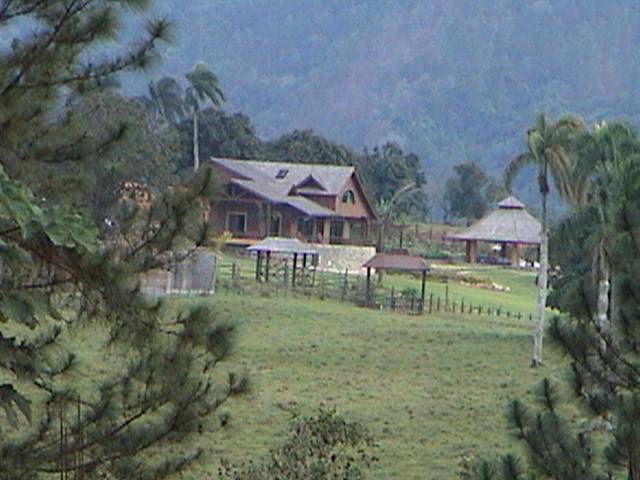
x=348, y=287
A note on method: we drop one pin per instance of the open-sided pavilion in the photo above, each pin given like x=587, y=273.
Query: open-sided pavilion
x=281, y=246
x=510, y=225
x=397, y=263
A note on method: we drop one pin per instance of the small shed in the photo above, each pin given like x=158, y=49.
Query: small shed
x=282, y=246
x=398, y=263
x=510, y=225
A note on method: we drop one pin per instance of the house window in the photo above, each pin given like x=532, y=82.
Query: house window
x=357, y=230
x=337, y=227
x=282, y=173
x=237, y=222
x=305, y=227
x=349, y=197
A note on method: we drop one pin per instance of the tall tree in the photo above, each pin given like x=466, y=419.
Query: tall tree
x=605, y=377
x=141, y=376
x=203, y=87
x=465, y=194
x=549, y=149
x=221, y=135
x=601, y=153
x=169, y=101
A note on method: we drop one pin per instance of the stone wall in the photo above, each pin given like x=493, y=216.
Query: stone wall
x=339, y=258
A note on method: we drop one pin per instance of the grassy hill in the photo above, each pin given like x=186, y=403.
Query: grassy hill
x=432, y=389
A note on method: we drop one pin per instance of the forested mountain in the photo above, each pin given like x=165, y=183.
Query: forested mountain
x=451, y=80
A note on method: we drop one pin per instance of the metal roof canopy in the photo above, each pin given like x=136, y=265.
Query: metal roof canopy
x=398, y=263
x=402, y=263
x=290, y=246
x=283, y=245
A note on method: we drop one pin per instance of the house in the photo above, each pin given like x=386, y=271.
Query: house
x=316, y=203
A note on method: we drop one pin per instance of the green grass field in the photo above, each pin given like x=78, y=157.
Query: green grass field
x=431, y=389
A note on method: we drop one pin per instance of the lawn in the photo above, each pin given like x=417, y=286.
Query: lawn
x=431, y=389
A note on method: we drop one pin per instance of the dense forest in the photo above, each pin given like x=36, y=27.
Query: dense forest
x=451, y=81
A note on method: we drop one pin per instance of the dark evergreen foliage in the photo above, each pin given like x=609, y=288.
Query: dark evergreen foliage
x=605, y=377
x=319, y=447
x=149, y=382
x=469, y=193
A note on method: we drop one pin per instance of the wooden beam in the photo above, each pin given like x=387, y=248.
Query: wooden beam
x=293, y=273
x=369, y=285
x=258, y=267
x=424, y=290
x=266, y=270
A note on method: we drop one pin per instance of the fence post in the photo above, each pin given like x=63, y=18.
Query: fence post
x=286, y=273
x=479, y=309
x=431, y=302
x=413, y=301
x=438, y=305
x=470, y=308
x=345, y=284
x=393, y=299
x=519, y=316
x=446, y=297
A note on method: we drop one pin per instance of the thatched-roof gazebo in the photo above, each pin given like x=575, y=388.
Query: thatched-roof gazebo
x=509, y=225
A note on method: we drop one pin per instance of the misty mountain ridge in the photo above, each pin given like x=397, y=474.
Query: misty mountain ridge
x=452, y=81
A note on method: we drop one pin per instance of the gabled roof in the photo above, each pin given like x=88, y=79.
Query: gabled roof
x=510, y=223
x=331, y=177
x=267, y=192
x=269, y=181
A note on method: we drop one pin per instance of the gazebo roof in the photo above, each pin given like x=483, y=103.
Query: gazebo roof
x=509, y=223
x=283, y=245
x=406, y=263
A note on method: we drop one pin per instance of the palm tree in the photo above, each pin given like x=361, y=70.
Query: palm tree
x=549, y=148
x=167, y=101
x=203, y=87
x=386, y=209
x=602, y=155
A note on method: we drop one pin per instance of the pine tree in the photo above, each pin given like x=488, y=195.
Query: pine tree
x=95, y=379
x=604, y=362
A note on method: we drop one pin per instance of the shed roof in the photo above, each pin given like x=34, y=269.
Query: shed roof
x=509, y=223
x=283, y=245
x=388, y=261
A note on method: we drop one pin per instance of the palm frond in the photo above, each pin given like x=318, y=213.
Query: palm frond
x=515, y=166
x=205, y=85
